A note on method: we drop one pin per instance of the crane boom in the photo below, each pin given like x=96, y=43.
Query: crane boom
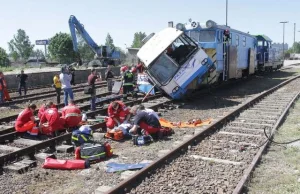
x=104, y=53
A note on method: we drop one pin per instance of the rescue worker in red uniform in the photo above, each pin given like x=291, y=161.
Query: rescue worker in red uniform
x=51, y=122
x=44, y=107
x=26, y=122
x=118, y=113
x=147, y=122
x=71, y=114
x=6, y=95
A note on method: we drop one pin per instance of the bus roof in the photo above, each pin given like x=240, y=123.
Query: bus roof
x=157, y=44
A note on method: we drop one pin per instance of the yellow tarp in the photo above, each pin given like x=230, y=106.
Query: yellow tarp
x=166, y=123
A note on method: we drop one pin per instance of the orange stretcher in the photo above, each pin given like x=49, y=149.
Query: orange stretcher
x=189, y=124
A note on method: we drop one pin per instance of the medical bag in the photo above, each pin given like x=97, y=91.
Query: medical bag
x=142, y=140
x=116, y=135
x=83, y=135
x=91, y=152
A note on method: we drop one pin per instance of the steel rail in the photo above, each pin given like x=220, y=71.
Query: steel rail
x=13, y=117
x=8, y=158
x=133, y=181
x=40, y=96
x=238, y=189
x=74, y=88
x=10, y=134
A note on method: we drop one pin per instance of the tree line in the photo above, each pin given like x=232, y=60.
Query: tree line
x=60, y=48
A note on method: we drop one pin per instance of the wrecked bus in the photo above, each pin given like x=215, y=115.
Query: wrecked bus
x=174, y=62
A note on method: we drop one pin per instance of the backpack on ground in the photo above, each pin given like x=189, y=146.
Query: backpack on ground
x=142, y=140
x=92, y=152
x=83, y=135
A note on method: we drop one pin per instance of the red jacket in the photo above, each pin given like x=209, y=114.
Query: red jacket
x=72, y=115
x=24, y=117
x=42, y=110
x=115, y=113
x=51, y=116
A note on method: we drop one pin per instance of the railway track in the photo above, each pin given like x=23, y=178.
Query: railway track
x=8, y=133
x=46, y=94
x=218, y=158
x=16, y=153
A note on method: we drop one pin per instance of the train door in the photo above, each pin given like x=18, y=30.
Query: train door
x=266, y=52
x=226, y=39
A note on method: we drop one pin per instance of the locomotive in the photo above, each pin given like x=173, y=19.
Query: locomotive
x=181, y=59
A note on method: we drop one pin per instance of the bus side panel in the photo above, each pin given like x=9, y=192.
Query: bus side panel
x=187, y=72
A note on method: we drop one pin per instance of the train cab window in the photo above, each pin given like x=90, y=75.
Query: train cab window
x=220, y=36
x=183, y=47
x=260, y=43
x=244, y=41
x=207, y=36
x=237, y=40
x=163, y=69
x=168, y=63
x=194, y=35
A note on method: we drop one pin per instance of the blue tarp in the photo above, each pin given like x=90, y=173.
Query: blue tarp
x=145, y=88
x=114, y=167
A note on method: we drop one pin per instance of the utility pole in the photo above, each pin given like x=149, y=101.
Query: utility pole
x=294, y=32
x=226, y=11
x=283, y=37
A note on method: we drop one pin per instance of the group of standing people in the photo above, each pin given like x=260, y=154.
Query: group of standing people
x=64, y=81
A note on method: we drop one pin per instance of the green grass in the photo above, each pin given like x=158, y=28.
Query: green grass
x=279, y=170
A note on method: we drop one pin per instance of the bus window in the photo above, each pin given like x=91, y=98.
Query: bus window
x=237, y=40
x=163, y=69
x=207, y=36
x=168, y=63
x=183, y=48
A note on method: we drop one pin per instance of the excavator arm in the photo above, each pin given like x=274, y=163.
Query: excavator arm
x=74, y=24
x=103, y=53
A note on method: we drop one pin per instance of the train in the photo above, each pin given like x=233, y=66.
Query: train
x=180, y=59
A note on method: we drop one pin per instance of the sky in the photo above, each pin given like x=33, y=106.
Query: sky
x=42, y=19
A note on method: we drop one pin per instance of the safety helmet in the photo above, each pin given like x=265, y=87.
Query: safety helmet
x=125, y=68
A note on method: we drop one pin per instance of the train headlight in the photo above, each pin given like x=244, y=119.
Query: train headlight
x=204, y=61
x=175, y=89
x=180, y=26
x=210, y=24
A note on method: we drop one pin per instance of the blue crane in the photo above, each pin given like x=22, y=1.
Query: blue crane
x=103, y=53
